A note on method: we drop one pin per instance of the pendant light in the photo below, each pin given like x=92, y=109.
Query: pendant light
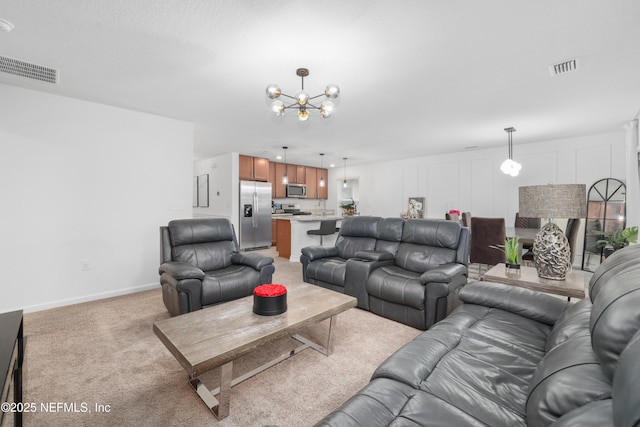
x=321, y=167
x=344, y=183
x=285, y=180
x=509, y=166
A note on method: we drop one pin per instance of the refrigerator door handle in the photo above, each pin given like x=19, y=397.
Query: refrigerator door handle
x=256, y=208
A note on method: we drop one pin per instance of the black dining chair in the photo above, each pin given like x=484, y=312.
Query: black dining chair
x=485, y=233
x=327, y=228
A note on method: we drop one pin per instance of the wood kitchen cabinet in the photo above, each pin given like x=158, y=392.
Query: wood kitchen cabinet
x=299, y=175
x=311, y=176
x=253, y=168
x=283, y=244
x=278, y=189
x=274, y=232
x=323, y=174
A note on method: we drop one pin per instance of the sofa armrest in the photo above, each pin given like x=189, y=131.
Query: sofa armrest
x=443, y=273
x=374, y=255
x=252, y=259
x=181, y=270
x=524, y=302
x=356, y=277
x=317, y=252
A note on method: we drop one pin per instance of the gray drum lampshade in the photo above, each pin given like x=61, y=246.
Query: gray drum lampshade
x=553, y=201
x=551, y=250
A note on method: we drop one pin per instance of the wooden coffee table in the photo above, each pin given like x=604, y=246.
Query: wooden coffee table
x=573, y=286
x=206, y=339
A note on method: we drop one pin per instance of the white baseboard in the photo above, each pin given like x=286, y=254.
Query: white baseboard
x=92, y=297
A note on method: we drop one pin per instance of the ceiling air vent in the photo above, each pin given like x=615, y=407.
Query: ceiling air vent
x=28, y=70
x=563, y=67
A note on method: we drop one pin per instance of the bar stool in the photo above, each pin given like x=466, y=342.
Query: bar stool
x=327, y=228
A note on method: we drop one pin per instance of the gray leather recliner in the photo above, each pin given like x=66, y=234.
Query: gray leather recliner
x=201, y=265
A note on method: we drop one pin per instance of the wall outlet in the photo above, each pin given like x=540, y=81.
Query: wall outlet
x=85, y=264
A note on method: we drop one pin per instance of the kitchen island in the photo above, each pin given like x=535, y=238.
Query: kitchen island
x=292, y=233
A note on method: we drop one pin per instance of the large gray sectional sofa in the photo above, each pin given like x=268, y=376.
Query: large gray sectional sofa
x=513, y=357
x=406, y=270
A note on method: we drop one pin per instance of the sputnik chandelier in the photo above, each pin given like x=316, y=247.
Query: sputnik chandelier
x=302, y=100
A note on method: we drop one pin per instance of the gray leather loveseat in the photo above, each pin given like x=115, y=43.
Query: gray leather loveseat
x=514, y=357
x=201, y=265
x=406, y=270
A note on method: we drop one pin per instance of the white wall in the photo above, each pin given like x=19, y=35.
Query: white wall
x=472, y=180
x=84, y=181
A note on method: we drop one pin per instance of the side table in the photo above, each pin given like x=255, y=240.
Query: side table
x=574, y=286
x=11, y=358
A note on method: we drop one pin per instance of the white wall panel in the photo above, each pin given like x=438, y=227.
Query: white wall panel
x=444, y=185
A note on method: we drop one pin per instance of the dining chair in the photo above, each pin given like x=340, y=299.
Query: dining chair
x=487, y=232
x=572, y=235
x=451, y=217
x=466, y=219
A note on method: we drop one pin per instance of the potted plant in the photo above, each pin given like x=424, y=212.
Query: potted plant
x=510, y=249
x=617, y=239
x=349, y=208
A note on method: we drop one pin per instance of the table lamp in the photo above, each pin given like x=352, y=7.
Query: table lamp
x=551, y=250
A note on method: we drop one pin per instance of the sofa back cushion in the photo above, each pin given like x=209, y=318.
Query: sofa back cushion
x=389, y=235
x=568, y=377
x=575, y=318
x=206, y=243
x=357, y=233
x=626, y=386
x=427, y=243
x=615, y=317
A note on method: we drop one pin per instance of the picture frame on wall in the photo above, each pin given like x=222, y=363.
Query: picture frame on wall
x=203, y=191
x=416, y=207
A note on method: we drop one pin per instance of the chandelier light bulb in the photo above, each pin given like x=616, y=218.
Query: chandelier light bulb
x=302, y=97
x=273, y=91
x=277, y=107
x=326, y=109
x=303, y=115
x=510, y=167
x=332, y=91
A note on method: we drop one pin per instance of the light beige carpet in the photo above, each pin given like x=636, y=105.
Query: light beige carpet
x=104, y=354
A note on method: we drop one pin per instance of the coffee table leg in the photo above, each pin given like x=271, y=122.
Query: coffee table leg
x=219, y=406
x=325, y=349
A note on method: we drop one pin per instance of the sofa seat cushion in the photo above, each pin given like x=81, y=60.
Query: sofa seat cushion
x=385, y=402
x=394, y=284
x=479, y=360
x=227, y=284
x=329, y=270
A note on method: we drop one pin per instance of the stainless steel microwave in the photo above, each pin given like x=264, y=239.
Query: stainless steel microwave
x=297, y=190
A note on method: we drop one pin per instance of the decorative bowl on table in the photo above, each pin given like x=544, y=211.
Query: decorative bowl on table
x=269, y=300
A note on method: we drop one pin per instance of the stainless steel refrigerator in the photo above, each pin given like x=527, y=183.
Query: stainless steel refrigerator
x=255, y=215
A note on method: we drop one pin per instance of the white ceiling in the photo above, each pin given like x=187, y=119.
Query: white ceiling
x=417, y=77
